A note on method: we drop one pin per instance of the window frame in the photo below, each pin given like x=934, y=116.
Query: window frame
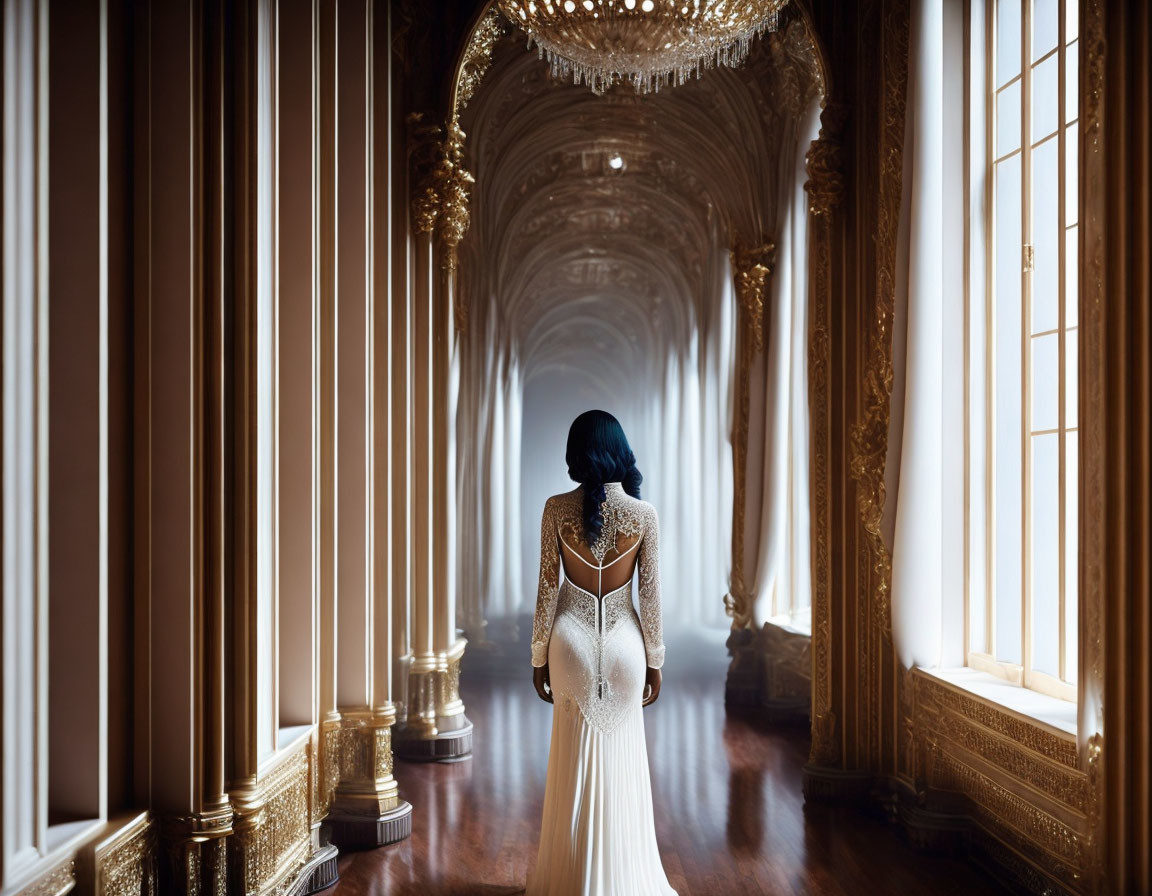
x=980, y=237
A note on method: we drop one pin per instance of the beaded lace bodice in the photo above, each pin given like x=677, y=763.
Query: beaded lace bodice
x=623, y=515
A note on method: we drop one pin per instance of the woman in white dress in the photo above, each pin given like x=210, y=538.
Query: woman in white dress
x=598, y=663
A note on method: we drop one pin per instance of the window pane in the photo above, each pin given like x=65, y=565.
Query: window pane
x=1071, y=174
x=1007, y=41
x=1045, y=98
x=1071, y=378
x=1071, y=273
x=1008, y=236
x=1071, y=552
x=1072, y=81
x=977, y=613
x=1045, y=26
x=1007, y=389
x=1007, y=577
x=1008, y=120
x=1071, y=20
x=1045, y=392
x=1045, y=520
x=1045, y=236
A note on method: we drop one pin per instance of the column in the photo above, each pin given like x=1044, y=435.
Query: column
x=436, y=727
x=418, y=735
x=366, y=810
x=179, y=488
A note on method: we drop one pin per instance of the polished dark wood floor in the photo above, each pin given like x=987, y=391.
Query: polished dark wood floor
x=730, y=816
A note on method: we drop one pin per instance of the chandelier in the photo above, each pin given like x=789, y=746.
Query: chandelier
x=646, y=43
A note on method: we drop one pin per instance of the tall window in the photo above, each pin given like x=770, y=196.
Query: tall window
x=1023, y=616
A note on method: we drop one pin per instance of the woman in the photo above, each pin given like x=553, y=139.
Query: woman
x=599, y=664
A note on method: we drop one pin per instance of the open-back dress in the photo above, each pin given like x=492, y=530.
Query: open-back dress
x=598, y=835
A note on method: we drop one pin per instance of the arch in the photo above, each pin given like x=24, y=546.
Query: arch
x=709, y=134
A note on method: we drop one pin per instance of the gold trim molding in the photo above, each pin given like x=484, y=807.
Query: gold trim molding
x=751, y=269
x=477, y=59
x=825, y=188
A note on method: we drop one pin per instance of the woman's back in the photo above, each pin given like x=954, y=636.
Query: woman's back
x=628, y=541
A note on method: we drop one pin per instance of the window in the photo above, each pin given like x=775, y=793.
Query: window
x=1022, y=424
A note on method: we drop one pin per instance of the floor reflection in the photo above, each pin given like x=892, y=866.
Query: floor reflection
x=730, y=815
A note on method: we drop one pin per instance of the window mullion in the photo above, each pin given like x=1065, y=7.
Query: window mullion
x=1025, y=341
x=1062, y=136
x=989, y=236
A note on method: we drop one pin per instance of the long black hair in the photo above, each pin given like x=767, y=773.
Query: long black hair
x=598, y=452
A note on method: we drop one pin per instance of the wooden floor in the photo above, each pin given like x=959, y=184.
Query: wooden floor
x=730, y=816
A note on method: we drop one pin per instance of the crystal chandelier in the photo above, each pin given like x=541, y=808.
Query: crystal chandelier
x=646, y=43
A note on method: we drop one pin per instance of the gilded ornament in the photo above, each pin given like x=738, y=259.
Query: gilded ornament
x=329, y=763
x=453, y=185
x=383, y=756
x=449, y=684
x=1059, y=782
x=869, y=434
x=1003, y=811
x=751, y=268
x=314, y=778
x=423, y=163
x=825, y=165
x=477, y=59
x=825, y=748
x=129, y=868
x=956, y=732
x=1032, y=737
x=58, y=881
x=425, y=209
x=275, y=840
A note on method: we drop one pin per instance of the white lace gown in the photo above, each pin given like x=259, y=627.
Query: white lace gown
x=598, y=835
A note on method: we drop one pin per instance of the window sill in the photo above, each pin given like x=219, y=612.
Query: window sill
x=1059, y=716
x=797, y=622
x=288, y=740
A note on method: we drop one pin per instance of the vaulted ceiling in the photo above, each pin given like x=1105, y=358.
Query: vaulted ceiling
x=567, y=251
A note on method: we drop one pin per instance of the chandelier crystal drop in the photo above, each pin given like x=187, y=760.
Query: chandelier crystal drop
x=648, y=44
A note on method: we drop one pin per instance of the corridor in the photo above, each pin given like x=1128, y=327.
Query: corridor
x=730, y=815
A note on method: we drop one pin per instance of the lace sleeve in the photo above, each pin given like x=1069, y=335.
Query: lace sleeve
x=648, y=564
x=548, y=587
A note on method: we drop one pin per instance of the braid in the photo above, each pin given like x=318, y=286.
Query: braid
x=594, y=495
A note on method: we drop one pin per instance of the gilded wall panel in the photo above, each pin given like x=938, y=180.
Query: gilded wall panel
x=127, y=865
x=1017, y=776
x=1004, y=813
x=1057, y=781
x=56, y=882
x=276, y=842
x=1028, y=734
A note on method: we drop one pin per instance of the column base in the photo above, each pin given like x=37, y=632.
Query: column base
x=452, y=741
x=835, y=785
x=318, y=873
x=370, y=831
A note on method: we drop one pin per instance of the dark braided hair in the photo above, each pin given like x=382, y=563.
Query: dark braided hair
x=598, y=452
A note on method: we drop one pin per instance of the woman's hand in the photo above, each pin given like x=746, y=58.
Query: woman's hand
x=540, y=680
x=651, y=686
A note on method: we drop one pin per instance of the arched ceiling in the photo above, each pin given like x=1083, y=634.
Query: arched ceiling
x=568, y=253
